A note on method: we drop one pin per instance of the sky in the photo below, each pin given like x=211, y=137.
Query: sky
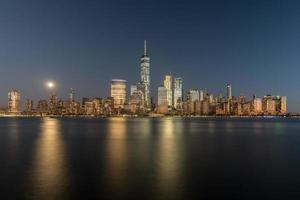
x=252, y=44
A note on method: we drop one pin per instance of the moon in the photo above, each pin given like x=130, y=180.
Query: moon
x=50, y=84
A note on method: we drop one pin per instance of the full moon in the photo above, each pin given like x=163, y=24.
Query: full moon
x=50, y=84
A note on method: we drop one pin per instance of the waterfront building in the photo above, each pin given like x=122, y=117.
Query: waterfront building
x=42, y=106
x=118, y=92
x=269, y=105
x=283, y=103
x=191, y=97
x=238, y=108
x=53, y=104
x=169, y=88
x=108, y=105
x=145, y=76
x=89, y=108
x=14, y=98
x=178, y=93
x=136, y=102
x=71, y=95
x=246, y=108
x=201, y=94
x=29, y=105
x=256, y=106
x=162, y=100
x=205, y=107
x=197, y=107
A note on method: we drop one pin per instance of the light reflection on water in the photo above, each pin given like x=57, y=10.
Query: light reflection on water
x=169, y=159
x=165, y=158
x=48, y=175
x=116, y=156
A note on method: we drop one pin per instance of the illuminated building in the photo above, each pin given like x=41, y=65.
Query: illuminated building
x=29, y=105
x=162, y=100
x=133, y=88
x=205, y=107
x=257, y=106
x=53, y=104
x=229, y=92
x=71, y=95
x=14, y=98
x=42, y=106
x=118, y=92
x=191, y=97
x=136, y=102
x=283, y=105
x=169, y=88
x=237, y=108
x=246, y=108
x=145, y=76
x=201, y=93
x=269, y=105
x=178, y=93
x=89, y=108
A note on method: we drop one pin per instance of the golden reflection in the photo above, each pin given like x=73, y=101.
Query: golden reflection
x=48, y=173
x=14, y=135
x=169, y=157
x=116, y=153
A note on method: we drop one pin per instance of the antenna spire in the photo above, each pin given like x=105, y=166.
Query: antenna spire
x=145, y=47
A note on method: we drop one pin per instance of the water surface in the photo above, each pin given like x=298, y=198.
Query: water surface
x=149, y=158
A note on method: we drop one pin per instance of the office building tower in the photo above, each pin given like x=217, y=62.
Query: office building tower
x=201, y=93
x=162, y=100
x=14, y=98
x=133, y=89
x=42, y=106
x=118, y=92
x=178, y=91
x=283, y=103
x=229, y=92
x=269, y=105
x=193, y=95
x=71, y=95
x=53, y=103
x=145, y=76
x=169, y=88
x=29, y=105
x=257, y=105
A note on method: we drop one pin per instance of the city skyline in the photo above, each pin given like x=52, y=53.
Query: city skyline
x=253, y=45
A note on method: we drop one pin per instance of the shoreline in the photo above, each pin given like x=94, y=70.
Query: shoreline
x=152, y=116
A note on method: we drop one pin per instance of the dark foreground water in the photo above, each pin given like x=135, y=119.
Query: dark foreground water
x=167, y=158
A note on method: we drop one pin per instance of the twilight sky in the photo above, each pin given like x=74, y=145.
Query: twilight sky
x=253, y=44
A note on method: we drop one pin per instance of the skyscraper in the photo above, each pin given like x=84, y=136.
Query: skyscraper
x=177, y=91
x=162, y=100
x=133, y=89
x=145, y=76
x=118, y=92
x=71, y=95
x=168, y=85
x=14, y=98
x=193, y=95
x=53, y=103
x=29, y=105
x=283, y=105
x=229, y=92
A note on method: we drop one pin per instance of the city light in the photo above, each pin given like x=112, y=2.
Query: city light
x=171, y=101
